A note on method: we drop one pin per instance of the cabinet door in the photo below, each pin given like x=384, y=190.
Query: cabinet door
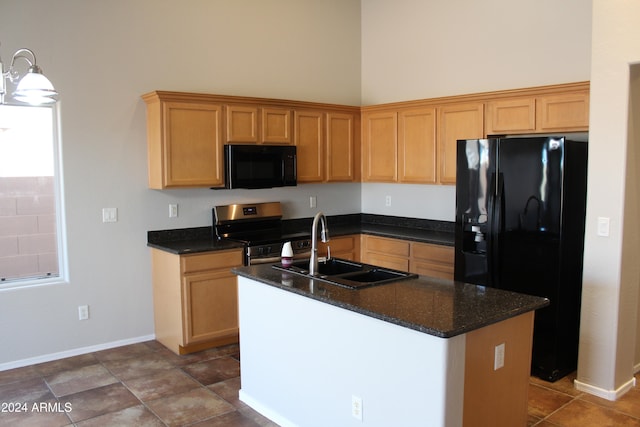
x=417, y=146
x=340, y=147
x=456, y=122
x=309, y=140
x=385, y=252
x=563, y=112
x=380, y=156
x=346, y=247
x=276, y=126
x=192, y=145
x=242, y=124
x=210, y=306
x=511, y=115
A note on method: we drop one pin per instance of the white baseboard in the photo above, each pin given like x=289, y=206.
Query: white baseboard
x=74, y=352
x=265, y=410
x=605, y=394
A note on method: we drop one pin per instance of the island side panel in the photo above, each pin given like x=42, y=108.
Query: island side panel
x=303, y=360
x=498, y=397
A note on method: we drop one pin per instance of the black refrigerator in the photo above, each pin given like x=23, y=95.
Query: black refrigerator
x=520, y=212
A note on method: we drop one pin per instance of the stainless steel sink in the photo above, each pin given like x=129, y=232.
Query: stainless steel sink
x=348, y=274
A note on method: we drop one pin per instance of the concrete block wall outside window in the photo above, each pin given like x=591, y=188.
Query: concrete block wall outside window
x=28, y=244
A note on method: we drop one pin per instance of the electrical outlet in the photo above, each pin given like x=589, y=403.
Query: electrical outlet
x=173, y=211
x=313, y=201
x=498, y=359
x=356, y=407
x=109, y=214
x=387, y=201
x=83, y=312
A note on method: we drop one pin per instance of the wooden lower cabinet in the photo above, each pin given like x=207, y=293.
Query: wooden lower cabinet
x=195, y=299
x=421, y=258
x=431, y=260
x=386, y=252
x=498, y=396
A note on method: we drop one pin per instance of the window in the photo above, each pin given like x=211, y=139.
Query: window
x=31, y=226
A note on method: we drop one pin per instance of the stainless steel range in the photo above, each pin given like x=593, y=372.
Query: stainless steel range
x=259, y=227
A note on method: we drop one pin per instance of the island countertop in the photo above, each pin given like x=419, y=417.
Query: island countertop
x=439, y=307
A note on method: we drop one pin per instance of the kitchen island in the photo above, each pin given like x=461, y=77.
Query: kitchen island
x=417, y=352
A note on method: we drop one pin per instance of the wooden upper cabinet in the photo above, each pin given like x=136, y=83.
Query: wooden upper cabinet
x=558, y=112
x=184, y=143
x=309, y=141
x=511, y=115
x=563, y=112
x=456, y=121
x=380, y=133
x=258, y=125
x=340, y=147
x=276, y=126
x=325, y=146
x=242, y=124
x=417, y=146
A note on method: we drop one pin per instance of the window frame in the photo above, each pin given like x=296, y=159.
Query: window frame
x=58, y=192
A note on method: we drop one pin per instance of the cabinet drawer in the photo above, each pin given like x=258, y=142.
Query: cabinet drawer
x=424, y=268
x=211, y=261
x=387, y=246
x=432, y=253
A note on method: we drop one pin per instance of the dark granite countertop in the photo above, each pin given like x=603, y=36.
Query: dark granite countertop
x=201, y=239
x=188, y=240
x=438, y=307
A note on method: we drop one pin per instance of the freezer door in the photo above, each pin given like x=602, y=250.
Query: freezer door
x=475, y=194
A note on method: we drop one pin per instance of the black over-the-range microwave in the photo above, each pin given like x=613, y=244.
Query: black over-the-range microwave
x=260, y=166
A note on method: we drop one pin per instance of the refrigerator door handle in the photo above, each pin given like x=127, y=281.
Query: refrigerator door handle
x=497, y=227
x=491, y=236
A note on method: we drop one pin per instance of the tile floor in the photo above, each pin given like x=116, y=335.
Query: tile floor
x=137, y=385
x=147, y=385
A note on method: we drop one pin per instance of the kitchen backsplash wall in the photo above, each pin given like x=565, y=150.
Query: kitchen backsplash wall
x=436, y=202
x=194, y=205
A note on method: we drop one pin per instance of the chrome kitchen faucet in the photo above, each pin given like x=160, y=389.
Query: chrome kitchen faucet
x=324, y=235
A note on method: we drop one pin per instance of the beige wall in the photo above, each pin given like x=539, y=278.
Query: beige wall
x=101, y=56
x=632, y=198
x=610, y=286
x=415, y=49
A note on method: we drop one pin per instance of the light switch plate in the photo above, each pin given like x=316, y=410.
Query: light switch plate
x=109, y=214
x=603, y=226
x=173, y=210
